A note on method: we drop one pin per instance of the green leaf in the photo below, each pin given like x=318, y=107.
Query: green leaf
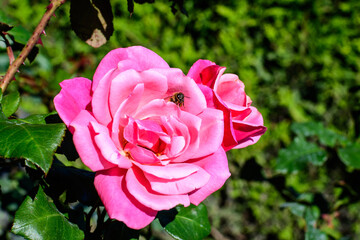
x=33, y=142
x=20, y=34
x=10, y=103
x=295, y=208
x=350, y=155
x=312, y=213
x=191, y=223
x=314, y=234
x=5, y=22
x=296, y=156
x=326, y=136
x=92, y=21
x=39, y=219
x=2, y=115
x=37, y=118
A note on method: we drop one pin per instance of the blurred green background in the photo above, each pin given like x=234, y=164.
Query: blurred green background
x=299, y=60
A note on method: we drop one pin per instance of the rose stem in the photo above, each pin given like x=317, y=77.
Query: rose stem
x=30, y=44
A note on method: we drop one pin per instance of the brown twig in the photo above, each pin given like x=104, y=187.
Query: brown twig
x=9, y=50
x=30, y=44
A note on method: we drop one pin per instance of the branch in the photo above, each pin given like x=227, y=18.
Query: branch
x=9, y=50
x=30, y=44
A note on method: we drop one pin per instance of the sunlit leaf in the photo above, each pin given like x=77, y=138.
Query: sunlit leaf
x=10, y=103
x=39, y=219
x=33, y=142
x=191, y=223
x=20, y=34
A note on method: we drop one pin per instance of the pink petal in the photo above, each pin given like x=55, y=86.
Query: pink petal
x=194, y=101
x=108, y=148
x=130, y=105
x=139, y=187
x=85, y=143
x=255, y=117
x=191, y=125
x=157, y=108
x=217, y=166
x=178, y=144
x=121, y=87
x=180, y=137
x=141, y=155
x=170, y=171
x=127, y=108
x=231, y=90
x=155, y=86
x=179, y=186
x=211, y=132
x=209, y=95
x=119, y=203
x=100, y=99
x=73, y=97
x=197, y=68
x=136, y=57
x=144, y=132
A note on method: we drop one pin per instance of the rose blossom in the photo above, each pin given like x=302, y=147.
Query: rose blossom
x=244, y=124
x=146, y=130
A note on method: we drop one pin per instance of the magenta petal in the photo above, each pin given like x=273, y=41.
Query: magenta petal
x=136, y=57
x=247, y=135
x=139, y=187
x=85, y=143
x=73, y=97
x=179, y=186
x=197, y=68
x=119, y=203
x=249, y=131
x=210, y=74
x=217, y=166
x=229, y=140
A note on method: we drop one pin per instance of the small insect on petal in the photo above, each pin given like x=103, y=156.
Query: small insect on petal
x=178, y=98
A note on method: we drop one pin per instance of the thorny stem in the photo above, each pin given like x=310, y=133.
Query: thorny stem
x=30, y=44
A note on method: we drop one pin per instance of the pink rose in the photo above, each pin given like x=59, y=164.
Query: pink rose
x=244, y=124
x=146, y=130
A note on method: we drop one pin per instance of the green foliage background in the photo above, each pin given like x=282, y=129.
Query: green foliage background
x=299, y=60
